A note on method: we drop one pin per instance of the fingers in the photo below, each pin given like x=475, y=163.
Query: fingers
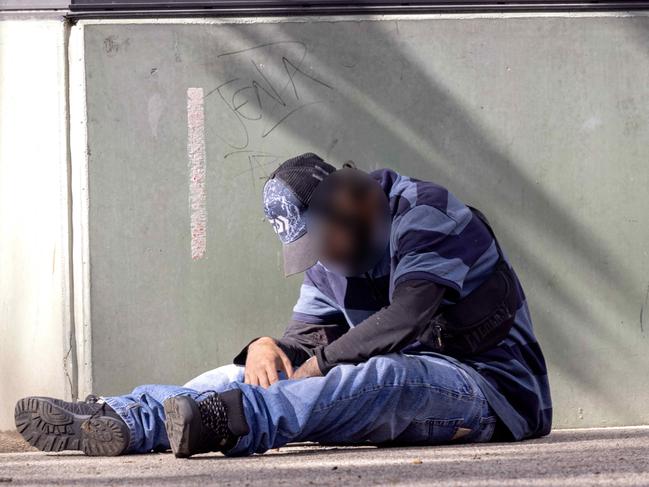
x=264, y=361
x=260, y=376
x=271, y=374
x=263, y=379
x=264, y=370
x=255, y=376
x=288, y=367
x=251, y=378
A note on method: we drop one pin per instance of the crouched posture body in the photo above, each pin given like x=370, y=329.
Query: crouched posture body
x=385, y=257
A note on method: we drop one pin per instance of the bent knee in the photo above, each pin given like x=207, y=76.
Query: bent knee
x=390, y=367
x=217, y=378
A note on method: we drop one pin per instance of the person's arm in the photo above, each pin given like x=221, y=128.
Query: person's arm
x=300, y=339
x=265, y=356
x=414, y=303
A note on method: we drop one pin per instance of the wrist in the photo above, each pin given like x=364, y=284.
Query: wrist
x=321, y=360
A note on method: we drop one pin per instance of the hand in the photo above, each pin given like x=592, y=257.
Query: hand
x=309, y=368
x=264, y=359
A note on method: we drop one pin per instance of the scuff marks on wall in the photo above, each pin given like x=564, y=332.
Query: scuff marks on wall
x=196, y=155
x=642, y=309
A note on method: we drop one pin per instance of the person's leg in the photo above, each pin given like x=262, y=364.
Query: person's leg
x=143, y=413
x=218, y=379
x=392, y=398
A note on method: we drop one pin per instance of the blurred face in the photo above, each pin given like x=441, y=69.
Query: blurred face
x=349, y=217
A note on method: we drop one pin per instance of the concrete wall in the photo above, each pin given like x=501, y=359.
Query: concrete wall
x=35, y=313
x=540, y=120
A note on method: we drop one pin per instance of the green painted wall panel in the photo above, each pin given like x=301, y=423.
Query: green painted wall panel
x=541, y=121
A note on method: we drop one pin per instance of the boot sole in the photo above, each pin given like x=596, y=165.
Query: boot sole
x=51, y=428
x=183, y=424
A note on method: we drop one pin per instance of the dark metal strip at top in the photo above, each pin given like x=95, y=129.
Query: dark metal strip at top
x=227, y=10
x=77, y=9
x=300, y=4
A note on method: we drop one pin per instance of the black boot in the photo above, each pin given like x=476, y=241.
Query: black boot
x=91, y=426
x=211, y=423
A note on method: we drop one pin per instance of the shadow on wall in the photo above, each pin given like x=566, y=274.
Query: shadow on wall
x=455, y=148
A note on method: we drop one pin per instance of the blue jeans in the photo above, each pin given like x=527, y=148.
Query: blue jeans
x=390, y=399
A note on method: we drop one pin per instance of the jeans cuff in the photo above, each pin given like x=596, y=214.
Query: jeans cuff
x=486, y=428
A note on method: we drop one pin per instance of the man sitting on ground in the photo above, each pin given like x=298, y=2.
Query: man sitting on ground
x=411, y=328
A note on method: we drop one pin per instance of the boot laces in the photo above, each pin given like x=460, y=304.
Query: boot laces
x=95, y=400
x=214, y=416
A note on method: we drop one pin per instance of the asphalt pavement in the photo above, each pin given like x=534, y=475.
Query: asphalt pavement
x=611, y=456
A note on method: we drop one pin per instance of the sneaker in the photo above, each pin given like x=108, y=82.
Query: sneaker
x=90, y=426
x=212, y=423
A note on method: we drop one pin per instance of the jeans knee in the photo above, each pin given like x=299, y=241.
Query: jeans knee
x=217, y=378
x=389, y=367
x=142, y=389
x=231, y=371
